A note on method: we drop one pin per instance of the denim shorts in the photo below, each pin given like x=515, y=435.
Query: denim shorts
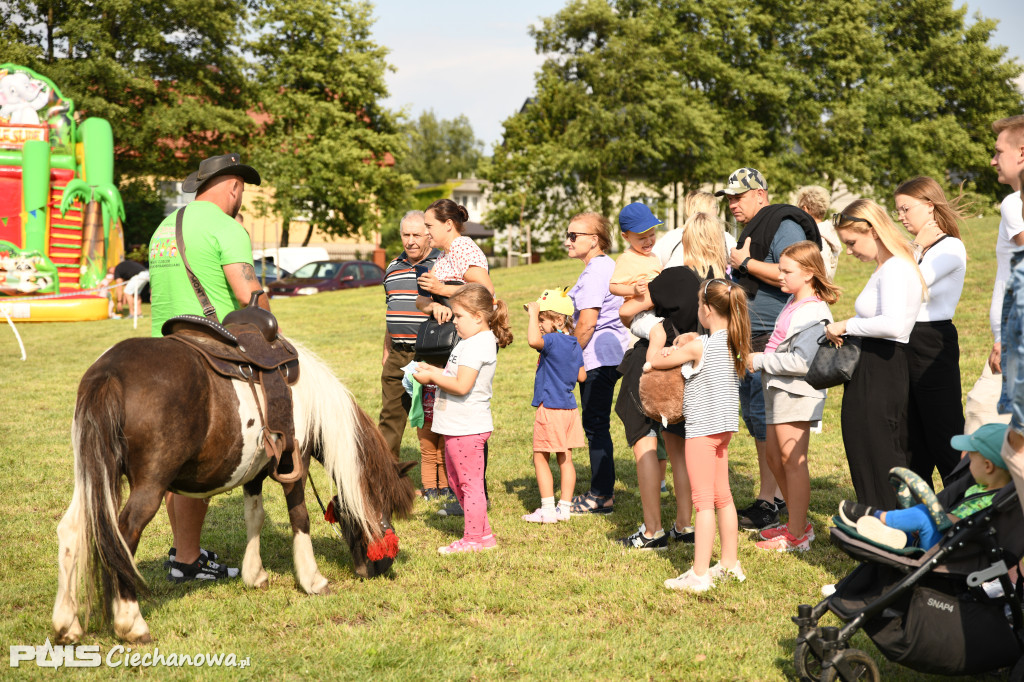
x=752, y=405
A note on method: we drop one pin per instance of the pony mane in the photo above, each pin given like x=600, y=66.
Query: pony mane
x=327, y=414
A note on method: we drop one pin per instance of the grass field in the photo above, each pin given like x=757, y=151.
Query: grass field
x=552, y=602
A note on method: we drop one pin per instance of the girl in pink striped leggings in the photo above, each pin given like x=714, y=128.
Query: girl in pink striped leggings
x=712, y=365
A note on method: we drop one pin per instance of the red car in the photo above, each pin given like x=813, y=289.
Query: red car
x=327, y=275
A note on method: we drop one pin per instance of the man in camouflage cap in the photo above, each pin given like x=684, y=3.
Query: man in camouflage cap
x=768, y=229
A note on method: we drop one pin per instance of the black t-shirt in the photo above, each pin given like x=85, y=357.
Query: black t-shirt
x=127, y=269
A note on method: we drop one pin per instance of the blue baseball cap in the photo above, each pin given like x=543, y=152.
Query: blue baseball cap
x=636, y=217
x=986, y=440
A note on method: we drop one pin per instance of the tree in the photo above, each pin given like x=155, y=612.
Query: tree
x=441, y=149
x=166, y=76
x=669, y=94
x=324, y=144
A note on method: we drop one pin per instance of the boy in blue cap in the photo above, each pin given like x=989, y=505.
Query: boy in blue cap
x=893, y=528
x=637, y=265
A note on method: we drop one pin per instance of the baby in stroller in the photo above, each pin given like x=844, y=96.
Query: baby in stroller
x=948, y=605
x=895, y=528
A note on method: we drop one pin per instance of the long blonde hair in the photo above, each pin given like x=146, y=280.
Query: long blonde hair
x=704, y=244
x=699, y=201
x=886, y=231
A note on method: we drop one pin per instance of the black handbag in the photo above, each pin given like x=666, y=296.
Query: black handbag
x=833, y=365
x=436, y=340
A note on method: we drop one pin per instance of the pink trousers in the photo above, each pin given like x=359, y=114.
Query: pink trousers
x=464, y=459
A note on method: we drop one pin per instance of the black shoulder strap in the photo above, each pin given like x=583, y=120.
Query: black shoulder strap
x=208, y=310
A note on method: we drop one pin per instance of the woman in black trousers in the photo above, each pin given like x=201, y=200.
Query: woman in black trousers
x=874, y=412
x=935, y=409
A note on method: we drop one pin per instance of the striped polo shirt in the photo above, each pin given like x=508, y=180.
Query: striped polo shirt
x=403, y=319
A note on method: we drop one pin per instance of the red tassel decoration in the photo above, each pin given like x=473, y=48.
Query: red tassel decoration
x=385, y=547
x=329, y=514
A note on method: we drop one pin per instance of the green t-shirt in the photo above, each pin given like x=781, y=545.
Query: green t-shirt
x=212, y=240
x=965, y=509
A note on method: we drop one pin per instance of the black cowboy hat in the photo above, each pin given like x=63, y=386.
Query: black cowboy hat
x=225, y=164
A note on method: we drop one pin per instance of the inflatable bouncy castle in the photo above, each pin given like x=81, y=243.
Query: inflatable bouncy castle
x=60, y=213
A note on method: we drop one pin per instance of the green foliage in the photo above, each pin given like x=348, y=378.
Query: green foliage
x=165, y=73
x=326, y=145
x=144, y=210
x=668, y=95
x=440, y=149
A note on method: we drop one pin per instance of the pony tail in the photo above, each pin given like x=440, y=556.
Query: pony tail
x=499, y=324
x=739, y=328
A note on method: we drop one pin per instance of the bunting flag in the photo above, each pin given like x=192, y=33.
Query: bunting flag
x=32, y=213
x=4, y=220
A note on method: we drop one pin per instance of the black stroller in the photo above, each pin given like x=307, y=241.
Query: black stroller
x=927, y=610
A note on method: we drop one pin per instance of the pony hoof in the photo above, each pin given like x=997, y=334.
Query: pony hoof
x=144, y=638
x=262, y=581
x=321, y=587
x=70, y=635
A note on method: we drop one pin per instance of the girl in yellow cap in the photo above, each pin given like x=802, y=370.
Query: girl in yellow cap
x=557, y=426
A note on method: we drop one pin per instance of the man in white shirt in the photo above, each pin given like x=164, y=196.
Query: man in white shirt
x=1008, y=161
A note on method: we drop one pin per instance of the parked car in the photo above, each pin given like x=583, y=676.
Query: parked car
x=325, y=275
x=271, y=271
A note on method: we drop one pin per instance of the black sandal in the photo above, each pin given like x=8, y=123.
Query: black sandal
x=205, y=553
x=200, y=569
x=592, y=504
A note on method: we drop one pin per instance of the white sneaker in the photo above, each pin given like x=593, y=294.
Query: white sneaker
x=691, y=582
x=561, y=513
x=873, y=529
x=719, y=572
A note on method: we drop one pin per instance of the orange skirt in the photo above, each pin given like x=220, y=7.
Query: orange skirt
x=557, y=430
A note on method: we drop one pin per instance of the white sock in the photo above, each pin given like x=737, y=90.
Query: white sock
x=547, y=503
x=565, y=506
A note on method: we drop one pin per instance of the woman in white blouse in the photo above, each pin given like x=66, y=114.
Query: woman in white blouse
x=874, y=413
x=935, y=411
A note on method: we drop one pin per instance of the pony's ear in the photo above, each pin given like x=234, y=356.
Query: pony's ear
x=404, y=467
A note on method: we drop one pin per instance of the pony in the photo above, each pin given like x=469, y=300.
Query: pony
x=152, y=411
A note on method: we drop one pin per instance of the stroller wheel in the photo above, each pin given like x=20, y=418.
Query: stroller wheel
x=807, y=663
x=850, y=665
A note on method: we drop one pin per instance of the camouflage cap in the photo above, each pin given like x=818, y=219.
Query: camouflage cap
x=743, y=180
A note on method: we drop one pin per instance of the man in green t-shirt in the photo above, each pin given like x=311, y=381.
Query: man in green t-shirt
x=220, y=255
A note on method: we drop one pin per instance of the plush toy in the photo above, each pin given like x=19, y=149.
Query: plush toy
x=661, y=395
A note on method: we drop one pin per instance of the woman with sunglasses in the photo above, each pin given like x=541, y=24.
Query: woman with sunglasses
x=604, y=341
x=874, y=412
x=935, y=411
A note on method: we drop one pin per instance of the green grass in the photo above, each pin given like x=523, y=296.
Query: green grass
x=552, y=602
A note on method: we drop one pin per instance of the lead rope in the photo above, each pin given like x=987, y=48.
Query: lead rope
x=309, y=476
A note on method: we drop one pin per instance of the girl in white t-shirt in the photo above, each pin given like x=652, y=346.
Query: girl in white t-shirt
x=462, y=408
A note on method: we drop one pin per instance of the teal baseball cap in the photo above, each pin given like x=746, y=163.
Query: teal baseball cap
x=987, y=441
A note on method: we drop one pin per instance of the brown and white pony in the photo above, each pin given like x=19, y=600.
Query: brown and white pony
x=151, y=410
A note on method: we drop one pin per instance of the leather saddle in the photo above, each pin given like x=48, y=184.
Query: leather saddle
x=247, y=348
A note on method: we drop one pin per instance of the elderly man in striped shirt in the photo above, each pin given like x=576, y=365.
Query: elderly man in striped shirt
x=403, y=321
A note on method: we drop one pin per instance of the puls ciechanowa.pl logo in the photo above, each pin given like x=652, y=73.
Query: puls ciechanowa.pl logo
x=89, y=656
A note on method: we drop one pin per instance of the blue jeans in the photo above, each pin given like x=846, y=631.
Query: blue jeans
x=914, y=520
x=596, y=405
x=1011, y=399
x=752, y=405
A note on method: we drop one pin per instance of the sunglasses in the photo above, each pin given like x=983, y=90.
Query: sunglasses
x=840, y=218
x=571, y=236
